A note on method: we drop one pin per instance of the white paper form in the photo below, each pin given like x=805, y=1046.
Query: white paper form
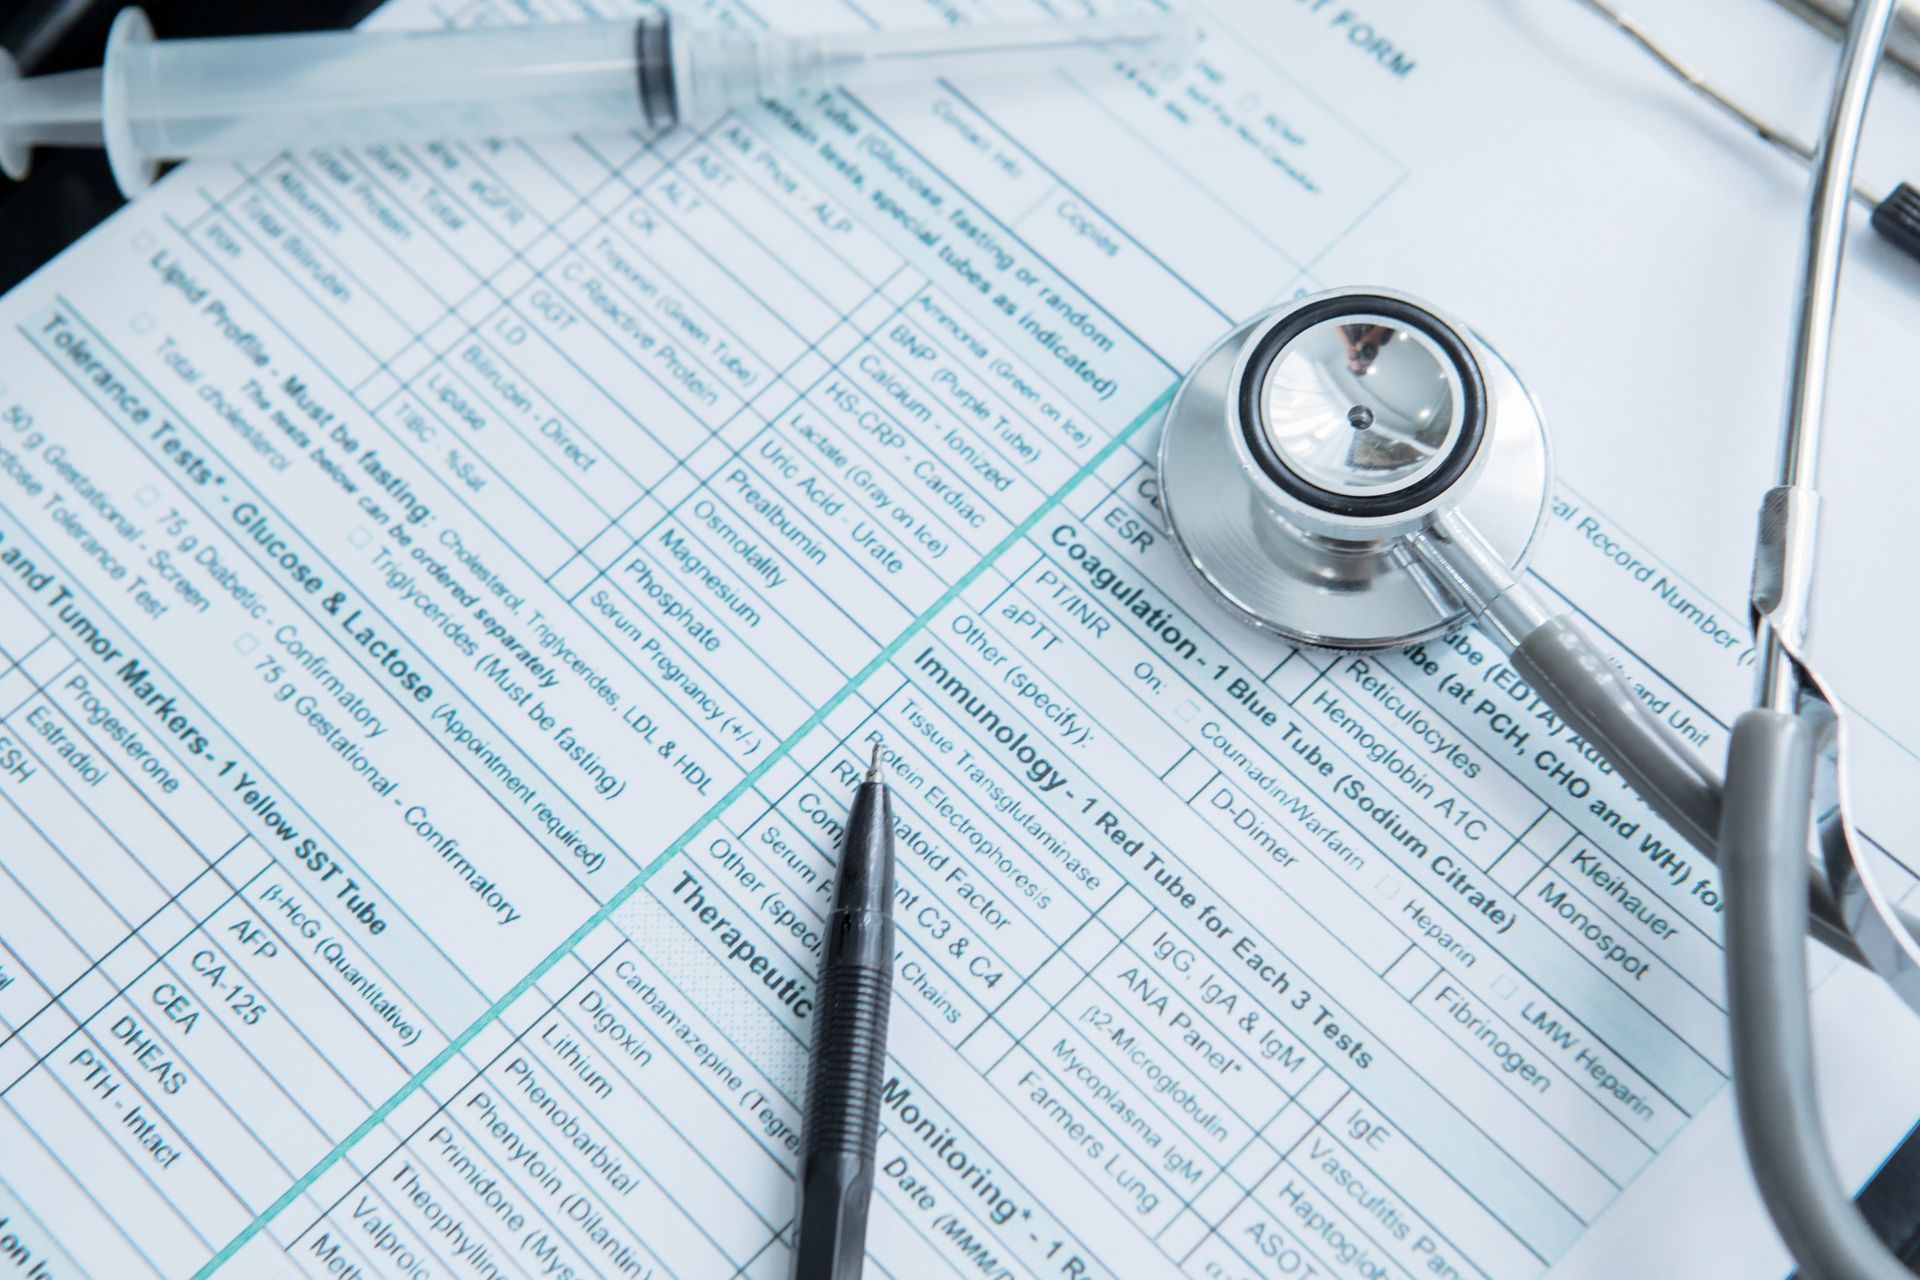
x=405, y=548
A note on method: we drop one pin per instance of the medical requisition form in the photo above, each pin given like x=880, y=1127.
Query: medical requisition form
x=448, y=592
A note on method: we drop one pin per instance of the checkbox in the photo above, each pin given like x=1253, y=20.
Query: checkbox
x=1126, y=911
x=246, y=644
x=985, y=1046
x=141, y=322
x=1285, y=1130
x=1410, y=974
x=1257, y=1159
x=1389, y=888
x=359, y=537
x=1187, y=711
x=1185, y=1232
x=147, y=495
x=1218, y=1198
x=1091, y=944
x=1022, y=1012
x=1057, y=976
x=573, y=577
x=143, y=241
x=1320, y=1094
x=1503, y=986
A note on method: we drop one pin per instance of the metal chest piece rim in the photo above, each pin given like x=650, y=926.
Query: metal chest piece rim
x=1305, y=443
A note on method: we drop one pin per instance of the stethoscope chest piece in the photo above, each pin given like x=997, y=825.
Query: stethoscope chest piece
x=1303, y=449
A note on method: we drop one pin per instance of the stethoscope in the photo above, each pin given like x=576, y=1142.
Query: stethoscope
x=1356, y=470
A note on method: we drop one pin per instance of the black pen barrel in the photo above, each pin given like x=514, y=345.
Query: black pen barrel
x=849, y=1052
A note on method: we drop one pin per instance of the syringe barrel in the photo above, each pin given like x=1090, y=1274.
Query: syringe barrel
x=255, y=96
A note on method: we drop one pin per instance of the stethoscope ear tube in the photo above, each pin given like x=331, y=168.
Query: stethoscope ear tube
x=1575, y=677
x=1553, y=653
x=1579, y=682
x=1572, y=673
x=1771, y=763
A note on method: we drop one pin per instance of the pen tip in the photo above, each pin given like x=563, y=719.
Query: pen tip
x=873, y=765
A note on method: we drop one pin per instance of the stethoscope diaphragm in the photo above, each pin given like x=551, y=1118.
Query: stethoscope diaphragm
x=1305, y=446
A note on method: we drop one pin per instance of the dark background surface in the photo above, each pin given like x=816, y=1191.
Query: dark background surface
x=69, y=191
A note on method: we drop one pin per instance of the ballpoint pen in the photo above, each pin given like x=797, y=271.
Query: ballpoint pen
x=849, y=1054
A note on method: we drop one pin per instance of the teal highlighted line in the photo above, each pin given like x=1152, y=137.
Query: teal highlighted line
x=646, y=873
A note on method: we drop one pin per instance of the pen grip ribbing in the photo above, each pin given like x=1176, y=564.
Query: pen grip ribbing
x=843, y=1089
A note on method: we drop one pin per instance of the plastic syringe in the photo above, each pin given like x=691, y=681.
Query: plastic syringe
x=237, y=97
